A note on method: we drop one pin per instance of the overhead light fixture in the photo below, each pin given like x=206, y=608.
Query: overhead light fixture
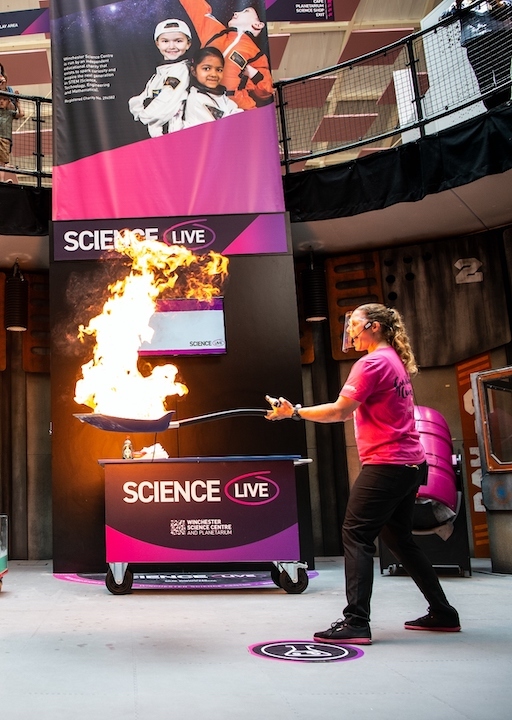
x=16, y=301
x=314, y=292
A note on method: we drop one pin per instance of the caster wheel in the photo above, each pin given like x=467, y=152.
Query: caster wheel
x=275, y=575
x=124, y=588
x=287, y=583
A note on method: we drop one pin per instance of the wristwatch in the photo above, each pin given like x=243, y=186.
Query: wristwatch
x=296, y=414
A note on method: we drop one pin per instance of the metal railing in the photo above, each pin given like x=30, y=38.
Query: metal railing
x=396, y=94
x=31, y=156
x=399, y=93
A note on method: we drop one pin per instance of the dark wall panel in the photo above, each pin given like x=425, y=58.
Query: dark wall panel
x=451, y=295
x=24, y=210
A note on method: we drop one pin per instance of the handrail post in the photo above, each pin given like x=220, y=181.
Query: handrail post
x=415, y=85
x=284, y=132
x=39, y=145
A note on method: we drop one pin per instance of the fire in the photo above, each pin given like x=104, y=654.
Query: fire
x=111, y=382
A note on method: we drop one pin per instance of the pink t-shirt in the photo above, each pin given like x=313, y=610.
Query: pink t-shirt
x=384, y=422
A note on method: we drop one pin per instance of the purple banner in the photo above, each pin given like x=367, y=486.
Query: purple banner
x=229, y=235
x=181, y=305
x=24, y=22
x=163, y=109
x=201, y=511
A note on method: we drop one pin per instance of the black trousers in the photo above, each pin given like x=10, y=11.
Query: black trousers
x=382, y=502
x=490, y=57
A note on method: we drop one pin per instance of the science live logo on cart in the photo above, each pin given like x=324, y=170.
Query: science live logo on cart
x=221, y=510
x=253, y=488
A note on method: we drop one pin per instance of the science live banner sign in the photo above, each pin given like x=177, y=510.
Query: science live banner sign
x=228, y=235
x=134, y=141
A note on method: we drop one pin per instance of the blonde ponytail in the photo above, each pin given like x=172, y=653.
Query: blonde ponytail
x=393, y=331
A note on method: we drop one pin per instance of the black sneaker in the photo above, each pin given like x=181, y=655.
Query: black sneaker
x=439, y=623
x=342, y=632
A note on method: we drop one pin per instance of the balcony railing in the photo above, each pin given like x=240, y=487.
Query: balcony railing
x=399, y=93
x=31, y=153
x=415, y=86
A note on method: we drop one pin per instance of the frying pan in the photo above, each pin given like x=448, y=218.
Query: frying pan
x=133, y=425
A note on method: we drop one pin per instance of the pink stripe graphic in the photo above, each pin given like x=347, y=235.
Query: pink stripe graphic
x=40, y=25
x=283, y=546
x=266, y=234
x=228, y=167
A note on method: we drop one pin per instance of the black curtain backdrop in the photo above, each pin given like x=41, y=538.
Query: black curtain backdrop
x=24, y=210
x=479, y=147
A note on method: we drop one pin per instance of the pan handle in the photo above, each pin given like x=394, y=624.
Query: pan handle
x=237, y=412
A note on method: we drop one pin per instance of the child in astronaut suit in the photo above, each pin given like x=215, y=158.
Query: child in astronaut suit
x=207, y=99
x=247, y=75
x=160, y=105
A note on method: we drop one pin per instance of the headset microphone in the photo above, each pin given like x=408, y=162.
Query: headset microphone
x=366, y=327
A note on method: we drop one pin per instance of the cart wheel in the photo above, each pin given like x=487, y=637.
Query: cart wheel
x=124, y=588
x=287, y=583
x=275, y=575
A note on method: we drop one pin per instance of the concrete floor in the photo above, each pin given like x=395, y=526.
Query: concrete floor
x=71, y=650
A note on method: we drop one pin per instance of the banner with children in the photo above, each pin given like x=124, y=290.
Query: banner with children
x=162, y=109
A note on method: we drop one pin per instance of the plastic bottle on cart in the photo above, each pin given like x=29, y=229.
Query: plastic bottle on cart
x=127, y=449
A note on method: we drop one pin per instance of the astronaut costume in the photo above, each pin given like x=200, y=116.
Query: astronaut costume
x=160, y=105
x=239, y=50
x=205, y=105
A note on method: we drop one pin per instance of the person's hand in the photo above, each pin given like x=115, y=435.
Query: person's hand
x=281, y=408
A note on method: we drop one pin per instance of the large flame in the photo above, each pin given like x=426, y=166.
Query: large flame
x=111, y=382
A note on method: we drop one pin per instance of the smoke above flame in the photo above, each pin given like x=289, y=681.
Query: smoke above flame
x=111, y=381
